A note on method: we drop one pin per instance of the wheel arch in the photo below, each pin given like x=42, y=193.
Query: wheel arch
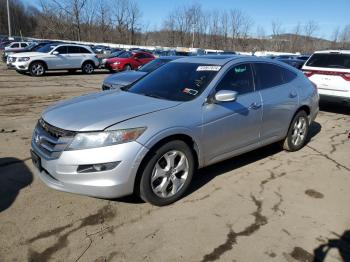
x=40, y=61
x=192, y=144
x=88, y=61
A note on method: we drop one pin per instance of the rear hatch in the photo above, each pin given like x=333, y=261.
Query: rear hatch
x=329, y=71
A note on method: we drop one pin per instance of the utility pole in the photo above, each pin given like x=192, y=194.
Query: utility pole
x=8, y=18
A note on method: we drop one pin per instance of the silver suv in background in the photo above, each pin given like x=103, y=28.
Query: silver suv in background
x=55, y=57
x=150, y=137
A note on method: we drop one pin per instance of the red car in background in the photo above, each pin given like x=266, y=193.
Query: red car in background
x=129, y=60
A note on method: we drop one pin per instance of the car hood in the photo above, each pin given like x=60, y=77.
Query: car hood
x=124, y=78
x=28, y=54
x=98, y=111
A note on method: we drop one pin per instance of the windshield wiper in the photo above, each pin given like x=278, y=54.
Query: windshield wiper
x=152, y=95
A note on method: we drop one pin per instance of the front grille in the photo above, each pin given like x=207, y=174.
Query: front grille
x=50, y=141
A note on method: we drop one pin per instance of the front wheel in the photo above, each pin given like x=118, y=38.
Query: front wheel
x=167, y=174
x=37, y=69
x=297, y=132
x=88, y=68
x=127, y=68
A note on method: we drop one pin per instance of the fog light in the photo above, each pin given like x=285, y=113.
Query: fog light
x=97, y=167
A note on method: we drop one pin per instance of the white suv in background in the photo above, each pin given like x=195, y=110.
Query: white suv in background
x=55, y=57
x=330, y=72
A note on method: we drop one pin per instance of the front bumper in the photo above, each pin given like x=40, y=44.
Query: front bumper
x=61, y=174
x=114, y=67
x=21, y=66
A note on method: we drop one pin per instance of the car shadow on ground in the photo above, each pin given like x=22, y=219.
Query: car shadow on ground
x=206, y=174
x=341, y=243
x=66, y=73
x=14, y=175
x=335, y=107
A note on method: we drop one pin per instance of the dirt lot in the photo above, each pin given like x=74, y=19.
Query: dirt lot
x=267, y=205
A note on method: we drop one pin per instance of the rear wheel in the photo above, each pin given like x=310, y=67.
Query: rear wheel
x=167, y=174
x=297, y=132
x=88, y=68
x=37, y=69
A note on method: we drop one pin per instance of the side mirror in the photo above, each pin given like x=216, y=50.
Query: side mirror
x=55, y=53
x=226, y=96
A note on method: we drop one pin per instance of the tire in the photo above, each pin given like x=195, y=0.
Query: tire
x=127, y=68
x=297, y=132
x=37, y=69
x=172, y=162
x=72, y=71
x=88, y=68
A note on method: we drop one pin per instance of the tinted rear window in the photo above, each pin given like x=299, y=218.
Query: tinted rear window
x=330, y=61
x=269, y=75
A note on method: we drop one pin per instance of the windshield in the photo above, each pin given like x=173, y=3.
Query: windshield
x=153, y=65
x=115, y=54
x=176, y=81
x=125, y=55
x=46, y=48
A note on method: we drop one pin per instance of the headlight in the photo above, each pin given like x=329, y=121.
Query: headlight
x=105, y=138
x=23, y=59
x=116, y=63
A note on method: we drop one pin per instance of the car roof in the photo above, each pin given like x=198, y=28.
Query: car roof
x=333, y=52
x=72, y=45
x=170, y=57
x=209, y=59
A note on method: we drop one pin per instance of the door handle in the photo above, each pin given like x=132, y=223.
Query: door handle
x=292, y=94
x=254, y=106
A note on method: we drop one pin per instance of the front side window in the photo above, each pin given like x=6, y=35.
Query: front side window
x=238, y=78
x=176, y=81
x=61, y=50
x=15, y=45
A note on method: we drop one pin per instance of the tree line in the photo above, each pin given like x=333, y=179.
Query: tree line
x=120, y=21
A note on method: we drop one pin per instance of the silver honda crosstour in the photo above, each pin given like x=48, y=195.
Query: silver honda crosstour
x=150, y=137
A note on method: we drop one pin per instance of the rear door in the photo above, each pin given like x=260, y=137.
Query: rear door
x=75, y=57
x=279, y=98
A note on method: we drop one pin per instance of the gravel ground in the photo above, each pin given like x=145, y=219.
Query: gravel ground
x=266, y=205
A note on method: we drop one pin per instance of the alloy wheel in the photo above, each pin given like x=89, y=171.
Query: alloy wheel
x=169, y=174
x=299, y=131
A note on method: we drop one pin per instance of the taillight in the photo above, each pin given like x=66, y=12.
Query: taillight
x=308, y=73
x=96, y=56
x=346, y=77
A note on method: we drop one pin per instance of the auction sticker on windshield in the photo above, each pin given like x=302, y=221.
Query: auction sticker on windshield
x=208, y=68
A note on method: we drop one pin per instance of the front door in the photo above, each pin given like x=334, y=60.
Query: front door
x=231, y=126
